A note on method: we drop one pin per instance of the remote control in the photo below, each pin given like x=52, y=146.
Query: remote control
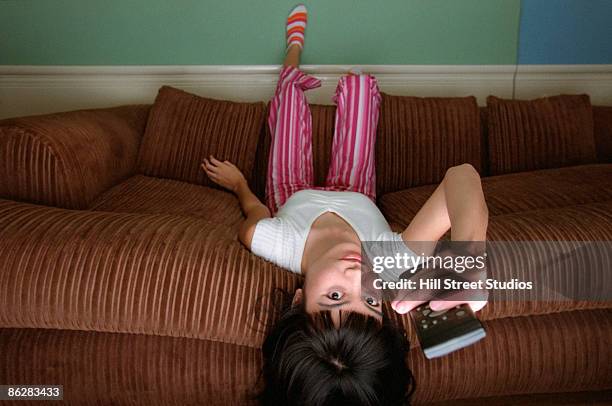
x=442, y=332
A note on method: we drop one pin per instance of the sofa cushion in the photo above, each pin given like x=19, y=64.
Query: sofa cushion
x=556, y=352
x=128, y=369
x=517, y=192
x=581, y=222
x=602, y=118
x=508, y=361
x=183, y=129
x=67, y=159
x=511, y=359
x=538, y=134
x=144, y=194
x=419, y=138
x=157, y=274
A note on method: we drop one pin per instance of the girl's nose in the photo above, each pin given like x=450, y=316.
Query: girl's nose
x=353, y=273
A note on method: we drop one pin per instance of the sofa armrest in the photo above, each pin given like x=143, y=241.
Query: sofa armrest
x=67, y=159
x=155, y=274
x=602, y=119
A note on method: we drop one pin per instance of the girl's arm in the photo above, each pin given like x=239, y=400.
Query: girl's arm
x=226, y=174
x=253, y=210
x=457, y=204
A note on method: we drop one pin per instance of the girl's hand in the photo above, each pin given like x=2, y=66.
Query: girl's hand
x=405, y=306
x=224, y=173
x=439, y=299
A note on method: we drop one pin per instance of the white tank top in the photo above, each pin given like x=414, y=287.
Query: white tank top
x=281, y=239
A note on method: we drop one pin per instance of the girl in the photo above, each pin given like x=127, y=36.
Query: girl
x=317, y=231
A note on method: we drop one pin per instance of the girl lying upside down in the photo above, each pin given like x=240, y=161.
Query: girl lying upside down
x=332, y=345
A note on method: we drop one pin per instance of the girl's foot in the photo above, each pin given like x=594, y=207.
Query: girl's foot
x=296, y=25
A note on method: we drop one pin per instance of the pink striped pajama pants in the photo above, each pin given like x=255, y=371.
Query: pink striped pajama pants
x=352, y=160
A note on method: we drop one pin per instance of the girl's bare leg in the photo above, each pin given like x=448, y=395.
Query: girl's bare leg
x=293, y=56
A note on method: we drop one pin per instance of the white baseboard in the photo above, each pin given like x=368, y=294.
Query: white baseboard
x=26, y=90
x=547, y=80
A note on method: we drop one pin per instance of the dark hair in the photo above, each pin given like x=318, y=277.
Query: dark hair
x=308, y=360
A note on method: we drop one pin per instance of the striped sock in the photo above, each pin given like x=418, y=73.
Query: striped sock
x=296, y=25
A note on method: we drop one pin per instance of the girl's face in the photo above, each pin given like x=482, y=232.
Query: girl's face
x=333, y=282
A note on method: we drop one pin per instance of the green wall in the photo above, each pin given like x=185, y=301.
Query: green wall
x=244, y=32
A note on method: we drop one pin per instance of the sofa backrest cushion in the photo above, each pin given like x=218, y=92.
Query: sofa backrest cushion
x=68, y=159
x=184, y=128
x=543, y=133
x=418, y=139
x=602, y=117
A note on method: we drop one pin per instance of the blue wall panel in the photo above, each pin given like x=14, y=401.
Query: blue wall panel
x=566, y=32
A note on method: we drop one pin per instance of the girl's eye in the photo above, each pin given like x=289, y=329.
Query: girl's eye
x=371, y=301
x=335, y=295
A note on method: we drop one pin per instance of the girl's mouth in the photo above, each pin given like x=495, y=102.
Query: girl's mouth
x=352, y=256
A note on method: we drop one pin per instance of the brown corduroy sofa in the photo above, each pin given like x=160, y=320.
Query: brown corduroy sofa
x=121, y=277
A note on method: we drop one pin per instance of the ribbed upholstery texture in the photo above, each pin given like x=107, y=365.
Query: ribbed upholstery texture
x=592, y=398
x=516, y=192
x=484, y=142
x=144, y=194
x=587, y=222
x=104, y=368
x=602, y=119
x=583, y=222
x=67, y=159
x=560, y=352
x=183, y=129
x=568, y=351
x=323, y=123
x=132, y=273
x=538, y=134
x=420, y=138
